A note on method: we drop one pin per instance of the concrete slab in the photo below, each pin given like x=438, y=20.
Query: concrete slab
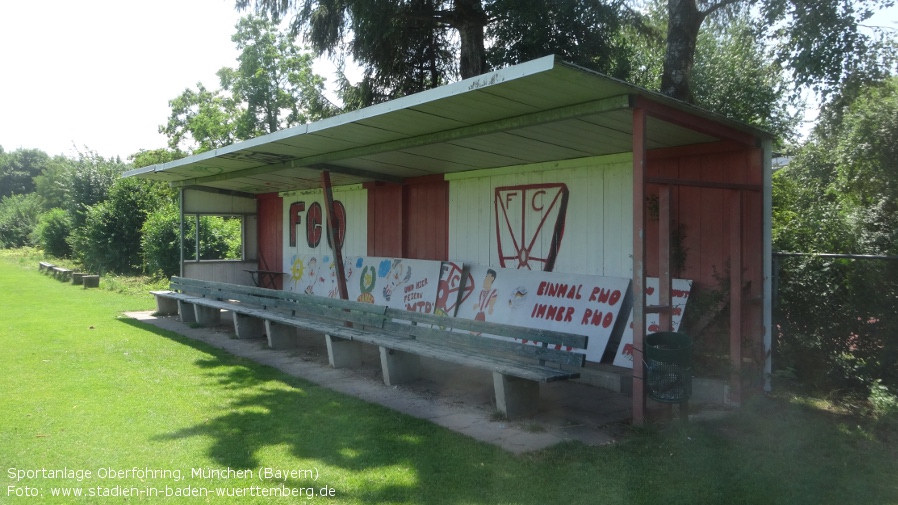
x=460, y=399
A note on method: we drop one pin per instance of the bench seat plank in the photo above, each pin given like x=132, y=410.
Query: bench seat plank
x=402, y=336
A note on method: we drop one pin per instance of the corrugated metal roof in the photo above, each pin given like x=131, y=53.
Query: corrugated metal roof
x=542, y=110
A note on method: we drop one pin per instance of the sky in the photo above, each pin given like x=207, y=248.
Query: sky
x=97, y=75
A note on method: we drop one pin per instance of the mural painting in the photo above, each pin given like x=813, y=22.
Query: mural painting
x=314, y=223
x=394, y=282
x=680, y=289
x=580, y=304
x=526, y=216
x=454, y=288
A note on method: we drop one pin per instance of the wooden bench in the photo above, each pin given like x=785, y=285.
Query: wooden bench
x=45, y=267
x=63, y=274
x=402, y=337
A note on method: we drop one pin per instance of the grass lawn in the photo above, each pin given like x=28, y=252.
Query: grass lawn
x=83, y=389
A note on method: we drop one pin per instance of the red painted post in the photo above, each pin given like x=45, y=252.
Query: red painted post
x=332, y=233
x=736, y=298
x=639, y=125
x=664, y=280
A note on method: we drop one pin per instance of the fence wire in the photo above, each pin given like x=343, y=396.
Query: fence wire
x=835, y=320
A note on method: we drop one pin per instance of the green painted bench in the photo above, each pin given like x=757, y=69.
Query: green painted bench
x=401, y=336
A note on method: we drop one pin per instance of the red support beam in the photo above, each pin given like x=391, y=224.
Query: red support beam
x=664, y=281
x=639, y=156
x=736, y=298
x=697, y=123
x=332, y=233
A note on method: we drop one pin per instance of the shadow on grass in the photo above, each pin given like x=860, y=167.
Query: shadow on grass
x=387, y=456
x=770, y=452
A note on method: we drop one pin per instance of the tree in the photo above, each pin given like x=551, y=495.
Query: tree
x=407, y=46
x=581, y=32
x=145, y=158
x=90, y=177
x=820, y=42
x=110, y=238
x=840, y=195
x=207, y=118
x=18, y=218
x=402, y=46
x=53, y=230
x=273, y=87
x=380, y=27
x=18, y=170
x=734, y=76
x=54, y=183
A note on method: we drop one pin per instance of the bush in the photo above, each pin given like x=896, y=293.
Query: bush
x=18, y=219
x=159, y=241
x=836, y=321
x=110, y=240
x=220, y=238
x=53, y=231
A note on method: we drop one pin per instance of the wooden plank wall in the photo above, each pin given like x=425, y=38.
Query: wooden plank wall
x=702, y=216
x=270, y=214
x=354, y=200
x=596, y=236
x=409, y=220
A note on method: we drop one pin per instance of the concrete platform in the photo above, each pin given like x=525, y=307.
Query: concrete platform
x=457, y=398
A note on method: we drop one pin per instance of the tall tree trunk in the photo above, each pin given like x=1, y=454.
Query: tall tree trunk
x=684, y=21
x=470, y=19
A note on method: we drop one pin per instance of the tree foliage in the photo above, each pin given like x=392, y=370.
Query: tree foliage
x=18, y=217
x=407, y=46
x=821, y=43
x=18, y=170
x=272, y=88
x=201, y=119
x=53, y=230
x=90, y=176
x=580, y=32
x=840, y=195
x=109, y=239
x=734, y=76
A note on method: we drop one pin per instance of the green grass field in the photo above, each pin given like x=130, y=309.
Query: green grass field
x=83, y=389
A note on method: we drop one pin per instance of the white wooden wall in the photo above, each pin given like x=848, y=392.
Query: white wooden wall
x=354, y=199
x=597, y=235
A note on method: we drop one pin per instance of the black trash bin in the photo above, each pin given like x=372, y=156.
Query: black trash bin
x=668, y=366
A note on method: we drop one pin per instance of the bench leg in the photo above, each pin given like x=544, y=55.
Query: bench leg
x=343, y=353
x=398, y=366
x=185, y=309
x=281, y=336
x=206, y=316
x=164, y=306
x=248, y=326
x=516, y=397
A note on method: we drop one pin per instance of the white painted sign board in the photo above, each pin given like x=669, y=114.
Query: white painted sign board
x=680, y=289
x=580, y=304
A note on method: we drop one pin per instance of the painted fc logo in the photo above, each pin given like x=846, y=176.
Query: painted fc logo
x=530, y=225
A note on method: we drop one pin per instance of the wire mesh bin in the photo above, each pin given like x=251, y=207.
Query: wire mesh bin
x=668, y=366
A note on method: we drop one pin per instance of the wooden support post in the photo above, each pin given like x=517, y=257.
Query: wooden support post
x=639, y=154
x=332, y=233
x=736, y=298
x=664, y=281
